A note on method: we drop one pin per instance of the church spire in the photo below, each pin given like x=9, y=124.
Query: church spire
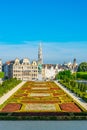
x=40, y=57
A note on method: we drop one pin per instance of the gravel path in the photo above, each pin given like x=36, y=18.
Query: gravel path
x=73, y=95
x=7, y=95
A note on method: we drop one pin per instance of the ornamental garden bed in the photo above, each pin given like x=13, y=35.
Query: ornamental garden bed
x=39, y=107
x=70, y=107
x=40, y=97
x=11, y=107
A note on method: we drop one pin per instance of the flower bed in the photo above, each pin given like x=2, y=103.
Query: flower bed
x=40, y=101
x=55, y=88
x=11, y=107
x=20, y=95
x=69, y=107
x=37, y=96
x=39, y=88
x=25, y=88
x=40, y=107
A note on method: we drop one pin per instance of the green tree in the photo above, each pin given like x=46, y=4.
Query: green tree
x=64, y=75
x=82, y=67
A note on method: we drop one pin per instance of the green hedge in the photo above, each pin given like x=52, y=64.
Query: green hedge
x=1, y=74
x=78, y=88
x=81, y=75
x=8, y=85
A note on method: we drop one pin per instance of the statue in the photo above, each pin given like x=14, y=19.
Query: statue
x=40, y=68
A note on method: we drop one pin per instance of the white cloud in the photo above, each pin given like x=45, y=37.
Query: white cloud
x=52, y=52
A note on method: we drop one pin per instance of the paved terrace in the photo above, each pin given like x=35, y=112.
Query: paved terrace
x=11, y=92
x=73, y=95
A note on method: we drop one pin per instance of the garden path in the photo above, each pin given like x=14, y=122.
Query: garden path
x=7, y=95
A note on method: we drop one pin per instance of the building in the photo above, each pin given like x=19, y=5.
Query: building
x=6, y=68
x=23, y=70
x=75, y=65
x=71, y=66
x=26, y=71
x=0, y=65
x=49, y=71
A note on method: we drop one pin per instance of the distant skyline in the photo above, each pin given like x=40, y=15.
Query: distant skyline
x=61, y=26
x=52, y=52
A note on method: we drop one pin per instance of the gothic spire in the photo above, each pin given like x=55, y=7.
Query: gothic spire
x=40, y=57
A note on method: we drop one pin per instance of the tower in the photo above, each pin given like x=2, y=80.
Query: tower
x=40, y=57
x=74, y=62
x=40, y=62
x=74, y=66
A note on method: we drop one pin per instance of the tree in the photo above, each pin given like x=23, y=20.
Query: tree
x=1, y=74
x=64, y=75
x=82, y=67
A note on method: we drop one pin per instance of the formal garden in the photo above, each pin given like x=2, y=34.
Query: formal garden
x=71, y=81
x=40, y=97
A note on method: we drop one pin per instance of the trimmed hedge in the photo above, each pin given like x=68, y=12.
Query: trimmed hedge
x=8, y=85
x=54, y=116
x=78, y=88
x=81, y=75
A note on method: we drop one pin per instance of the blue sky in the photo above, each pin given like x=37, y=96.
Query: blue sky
x=61, y=25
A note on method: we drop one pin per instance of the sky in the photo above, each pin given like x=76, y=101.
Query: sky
x=61, y=26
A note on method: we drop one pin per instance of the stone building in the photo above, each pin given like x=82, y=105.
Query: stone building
x=49, y=71
x=23, y=70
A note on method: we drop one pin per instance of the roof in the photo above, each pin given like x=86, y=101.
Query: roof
x=49, y=65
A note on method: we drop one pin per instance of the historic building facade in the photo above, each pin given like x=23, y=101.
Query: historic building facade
x=23, y=70
x=49, y=71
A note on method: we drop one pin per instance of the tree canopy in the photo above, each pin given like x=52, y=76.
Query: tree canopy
x=64, y=74
x=82, y=67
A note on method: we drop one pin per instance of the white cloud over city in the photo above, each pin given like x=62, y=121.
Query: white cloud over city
x=52, y=52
